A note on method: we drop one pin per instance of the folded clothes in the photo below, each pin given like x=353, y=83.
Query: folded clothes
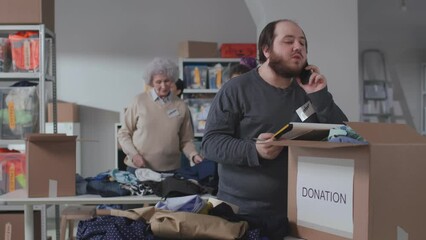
x=191, y=203
x=146, y=174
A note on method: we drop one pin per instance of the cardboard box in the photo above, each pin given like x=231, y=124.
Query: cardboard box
x=70, y=129
x=12, y=225
x=28, y=12
x=193, y=49
x=66, y=112
x=237, y=50
x=51, y=165
x=341, y=191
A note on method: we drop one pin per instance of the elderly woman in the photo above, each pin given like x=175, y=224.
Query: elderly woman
x=157, y=124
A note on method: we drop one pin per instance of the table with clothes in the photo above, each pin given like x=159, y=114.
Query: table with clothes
x=182, y=213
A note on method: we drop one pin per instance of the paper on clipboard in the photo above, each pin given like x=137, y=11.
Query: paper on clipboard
x=305, y=131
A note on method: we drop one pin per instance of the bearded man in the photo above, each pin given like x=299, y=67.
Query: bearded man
x=255, y=105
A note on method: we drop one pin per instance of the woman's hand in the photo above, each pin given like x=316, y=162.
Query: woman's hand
x=138, y=161
x=197, y=158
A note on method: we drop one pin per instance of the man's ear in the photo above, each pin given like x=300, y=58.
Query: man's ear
x=265, y=51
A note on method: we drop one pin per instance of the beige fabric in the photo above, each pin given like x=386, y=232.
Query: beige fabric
x=183, y=225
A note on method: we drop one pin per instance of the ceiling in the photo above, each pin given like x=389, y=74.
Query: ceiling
x=381, y=20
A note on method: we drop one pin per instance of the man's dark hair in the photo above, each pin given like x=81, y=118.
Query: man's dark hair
x=180, y=86
x=238, y=69
x=267, y=36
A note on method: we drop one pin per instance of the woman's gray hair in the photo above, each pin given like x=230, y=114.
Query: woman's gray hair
x=161, y=66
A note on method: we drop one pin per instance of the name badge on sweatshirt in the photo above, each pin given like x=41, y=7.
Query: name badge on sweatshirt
x=305, y=111
x=172, y=113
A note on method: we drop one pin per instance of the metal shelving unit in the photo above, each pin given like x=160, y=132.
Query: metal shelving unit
x=45, y=73
x=199, y=98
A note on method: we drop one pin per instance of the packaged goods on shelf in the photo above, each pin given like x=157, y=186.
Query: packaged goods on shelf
x=25, y=51
x=5, y=57
x=12, y=175
x=199, y=109
x=19, y=111
x=195, y=77
x=218, y=75
x=215, y=76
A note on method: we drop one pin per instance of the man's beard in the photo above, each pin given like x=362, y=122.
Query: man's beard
x=280, y=68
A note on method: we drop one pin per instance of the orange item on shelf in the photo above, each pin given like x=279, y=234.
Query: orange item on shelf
x=25, y=51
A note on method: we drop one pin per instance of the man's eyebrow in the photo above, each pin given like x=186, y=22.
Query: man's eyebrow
x=292, y=36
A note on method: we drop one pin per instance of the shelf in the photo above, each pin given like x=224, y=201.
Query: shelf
x=12, y=76
x=189, y=90
x=14, y=28
x=46, y=73
x=5, y=142
x=18, y=207
x=209, y=60
x=202, y=77
x=198, y=134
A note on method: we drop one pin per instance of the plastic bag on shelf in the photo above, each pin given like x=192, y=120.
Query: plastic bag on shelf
x=25, y=51
x=5, y=57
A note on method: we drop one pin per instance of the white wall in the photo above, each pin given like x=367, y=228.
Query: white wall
x=103, y=46
x=331, y=27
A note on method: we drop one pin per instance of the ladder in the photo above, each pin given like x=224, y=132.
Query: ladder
x=383, y=96
x=377, y=91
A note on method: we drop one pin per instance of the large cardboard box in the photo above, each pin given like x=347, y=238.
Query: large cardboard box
x=340, y=191
x=51, y=165
x=194, y=49
x=66, y=112
x=28, y=12
x=12, y=225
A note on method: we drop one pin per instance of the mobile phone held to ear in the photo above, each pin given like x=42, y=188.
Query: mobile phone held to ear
x=305, y=75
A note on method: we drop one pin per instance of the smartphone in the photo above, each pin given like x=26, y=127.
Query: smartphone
x=305, y=75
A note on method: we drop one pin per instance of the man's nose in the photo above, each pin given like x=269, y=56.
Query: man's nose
x=297, y=46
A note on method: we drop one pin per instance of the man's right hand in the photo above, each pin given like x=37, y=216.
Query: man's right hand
x=138, y=161
x=265, y=150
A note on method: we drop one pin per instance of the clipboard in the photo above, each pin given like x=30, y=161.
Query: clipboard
x=305, y=131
